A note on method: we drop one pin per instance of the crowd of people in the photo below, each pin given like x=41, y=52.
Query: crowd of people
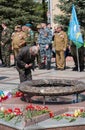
x=36, y=47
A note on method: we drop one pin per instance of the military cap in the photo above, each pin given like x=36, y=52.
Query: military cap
x=18, y=26
x=60, y=26
x=39, y=26
x=28, y=25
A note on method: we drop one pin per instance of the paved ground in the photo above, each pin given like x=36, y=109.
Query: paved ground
x=9, y=78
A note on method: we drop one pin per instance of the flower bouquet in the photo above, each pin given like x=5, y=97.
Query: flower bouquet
x=71, y=116
x=36, y=110
x=29, y=114
x=7, y=113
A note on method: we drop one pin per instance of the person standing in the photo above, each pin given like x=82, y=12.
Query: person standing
x=60, y=45
x=0, y=46
x=5, y=44
x=81, y=57
x=30, y=35
x=18, y=40
x=44, y=41
x=25, y=62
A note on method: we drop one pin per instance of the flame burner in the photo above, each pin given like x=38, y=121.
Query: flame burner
x=51, y=87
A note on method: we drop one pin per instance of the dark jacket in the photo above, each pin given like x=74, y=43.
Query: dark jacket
x=24, y=57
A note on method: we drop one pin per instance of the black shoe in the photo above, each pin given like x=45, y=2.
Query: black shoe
x=8, y=66
x=62, y=69
x=57, y=68
x=42, y=66
x=75, y=69
x=4, y=65
x=48, y=68
x=13, y=65
x=81, y=69
x=48, y=65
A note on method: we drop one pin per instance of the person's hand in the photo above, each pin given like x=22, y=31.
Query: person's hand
x=38, y=46
x=12, y=48
x=64, y=49
x=69, y=47
x=47, y=46
x=20, y=44
x=2, y=43
x=28, y=65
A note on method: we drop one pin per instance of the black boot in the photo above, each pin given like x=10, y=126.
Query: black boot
x=48, y=65
x=75, y=68
x=81, y=68
x=42, y=66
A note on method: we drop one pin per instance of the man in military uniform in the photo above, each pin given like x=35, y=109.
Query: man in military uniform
x=30, y=35
x=5, y=44
x=80, y=66
x=81, y=57
x=44, y=41
x=18, y=40
x=0, y=45
x=60, y=45
x=25, y=62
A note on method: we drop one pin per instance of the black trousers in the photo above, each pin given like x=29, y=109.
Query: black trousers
x=81, y=56
x=24, y=74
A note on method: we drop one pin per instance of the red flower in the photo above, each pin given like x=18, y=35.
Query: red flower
x=0, y=99
x=18, y=94
x=51, y=114
x=30, y=107
x=8, y=111
x=5, y=97
x=17, y=111
x=81, y=110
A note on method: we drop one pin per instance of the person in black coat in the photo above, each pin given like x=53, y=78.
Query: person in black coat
x=25, y=62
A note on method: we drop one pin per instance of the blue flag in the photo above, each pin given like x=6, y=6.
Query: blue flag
x=74, y=32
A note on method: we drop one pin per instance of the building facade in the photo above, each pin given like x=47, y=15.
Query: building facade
x=52, y=11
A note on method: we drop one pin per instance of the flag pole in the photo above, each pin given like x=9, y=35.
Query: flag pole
x=78, y=59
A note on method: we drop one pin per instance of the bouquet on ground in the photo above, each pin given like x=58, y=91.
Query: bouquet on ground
x=28, y=112
x=4, y=95
x=7, y=113
x=36, y=110
x=71, y=116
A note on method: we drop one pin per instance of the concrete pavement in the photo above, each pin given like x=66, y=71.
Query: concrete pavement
x=9, y=78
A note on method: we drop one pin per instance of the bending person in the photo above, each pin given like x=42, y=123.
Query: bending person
x=25, y=62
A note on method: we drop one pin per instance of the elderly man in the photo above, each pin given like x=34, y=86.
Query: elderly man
x=18, y=40
x=25, y=62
